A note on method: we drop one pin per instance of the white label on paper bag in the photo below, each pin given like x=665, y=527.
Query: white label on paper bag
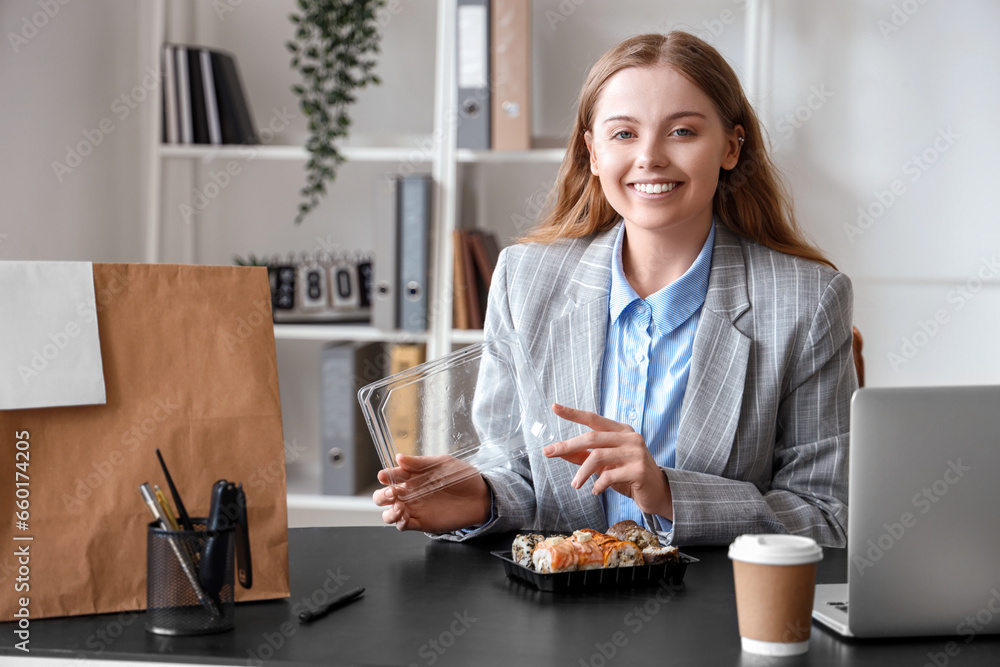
x=50, y=352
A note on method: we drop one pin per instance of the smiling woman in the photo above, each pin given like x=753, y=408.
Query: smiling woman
x=657, y=147
x=697, y=349
x=749, y=198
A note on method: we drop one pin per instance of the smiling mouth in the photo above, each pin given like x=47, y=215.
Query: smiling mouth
x=654, y=188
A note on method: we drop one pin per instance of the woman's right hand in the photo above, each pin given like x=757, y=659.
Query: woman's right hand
x=456, y=506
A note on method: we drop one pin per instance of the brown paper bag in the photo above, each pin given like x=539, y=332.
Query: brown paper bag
x=189, y=366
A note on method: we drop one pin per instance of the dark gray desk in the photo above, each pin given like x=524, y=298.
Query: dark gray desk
x=431, y=603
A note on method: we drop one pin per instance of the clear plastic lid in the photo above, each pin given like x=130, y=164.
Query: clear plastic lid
x=474, y=409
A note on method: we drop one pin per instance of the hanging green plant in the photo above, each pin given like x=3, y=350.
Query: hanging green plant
x=333, y=49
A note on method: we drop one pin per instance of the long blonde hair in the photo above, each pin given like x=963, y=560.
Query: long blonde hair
x=750, y=198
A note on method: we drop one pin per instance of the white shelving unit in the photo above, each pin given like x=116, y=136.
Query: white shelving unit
x=207, y=153
x=444, y=162
x=342, y=332
x=448, y=165
x=538, y=155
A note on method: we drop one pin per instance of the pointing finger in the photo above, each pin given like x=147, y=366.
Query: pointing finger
x=588, y=419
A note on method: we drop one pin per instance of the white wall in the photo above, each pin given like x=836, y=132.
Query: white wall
x=58, y=82
x=254, y=213
x=876, y=100
x=911, y=106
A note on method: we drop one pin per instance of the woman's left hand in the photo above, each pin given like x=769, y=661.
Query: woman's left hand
x=618, y=456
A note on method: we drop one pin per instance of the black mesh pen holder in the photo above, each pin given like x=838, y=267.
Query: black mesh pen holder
x=189, y=580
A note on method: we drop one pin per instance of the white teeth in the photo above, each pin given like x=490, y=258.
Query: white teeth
x=654, y=188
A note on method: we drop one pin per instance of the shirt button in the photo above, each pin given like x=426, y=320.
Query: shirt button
x=639, y=356
x=640, y=309
x=631, y=416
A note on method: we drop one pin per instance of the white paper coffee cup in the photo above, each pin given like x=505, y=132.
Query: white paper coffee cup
x=775, y=578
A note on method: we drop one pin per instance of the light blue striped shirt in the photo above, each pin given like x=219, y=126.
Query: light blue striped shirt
x=647, y=358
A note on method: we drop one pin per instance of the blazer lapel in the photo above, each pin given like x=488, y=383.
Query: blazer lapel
x=577, y=341
x=579, y=333
x=712, y=400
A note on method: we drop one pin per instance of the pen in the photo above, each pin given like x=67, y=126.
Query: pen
x=181, y=512
x=185, y=562
x=349, y=596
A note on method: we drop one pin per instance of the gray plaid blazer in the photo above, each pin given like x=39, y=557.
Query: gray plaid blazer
x=762, y=444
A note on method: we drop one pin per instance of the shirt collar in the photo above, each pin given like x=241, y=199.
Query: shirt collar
x=672, y=305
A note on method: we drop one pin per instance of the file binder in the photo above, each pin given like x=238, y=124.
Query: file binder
x=183, y=94
x=232, y=98
x=386, y=238
x=414, y=205
x=349, y=458
x=170, y=120
x=199, y=115
x=211, y=104
x=228, y=124
x=473, y=62
x=403, y=414
x=511, y=64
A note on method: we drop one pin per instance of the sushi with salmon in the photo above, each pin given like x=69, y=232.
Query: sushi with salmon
x=555, y=554
x=586, y=549
x=616, y=553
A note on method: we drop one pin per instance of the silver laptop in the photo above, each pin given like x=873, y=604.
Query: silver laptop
x=924, y=527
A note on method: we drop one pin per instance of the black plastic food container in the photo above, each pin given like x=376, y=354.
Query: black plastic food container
x=592, y=580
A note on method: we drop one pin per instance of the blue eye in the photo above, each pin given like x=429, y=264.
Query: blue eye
x=618, y=135
x=683, y=132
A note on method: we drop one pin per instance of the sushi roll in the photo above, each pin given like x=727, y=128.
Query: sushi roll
x=555, y=554
x=590, y=556
x=523, y=547
x=630, y=531
x=608, y=545
x=589, y=549
x=657, y=555
x=629, y=554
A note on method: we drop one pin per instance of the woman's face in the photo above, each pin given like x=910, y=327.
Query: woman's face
x=657, y=145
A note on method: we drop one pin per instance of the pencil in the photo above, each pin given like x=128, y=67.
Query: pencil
x=166, y=507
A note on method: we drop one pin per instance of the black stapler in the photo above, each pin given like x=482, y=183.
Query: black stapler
x=228, y=509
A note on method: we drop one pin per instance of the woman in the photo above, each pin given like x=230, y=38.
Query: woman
x=697, y=348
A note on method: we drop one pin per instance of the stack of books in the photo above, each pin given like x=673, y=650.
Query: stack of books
x=203, y=98
x=476, y=254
